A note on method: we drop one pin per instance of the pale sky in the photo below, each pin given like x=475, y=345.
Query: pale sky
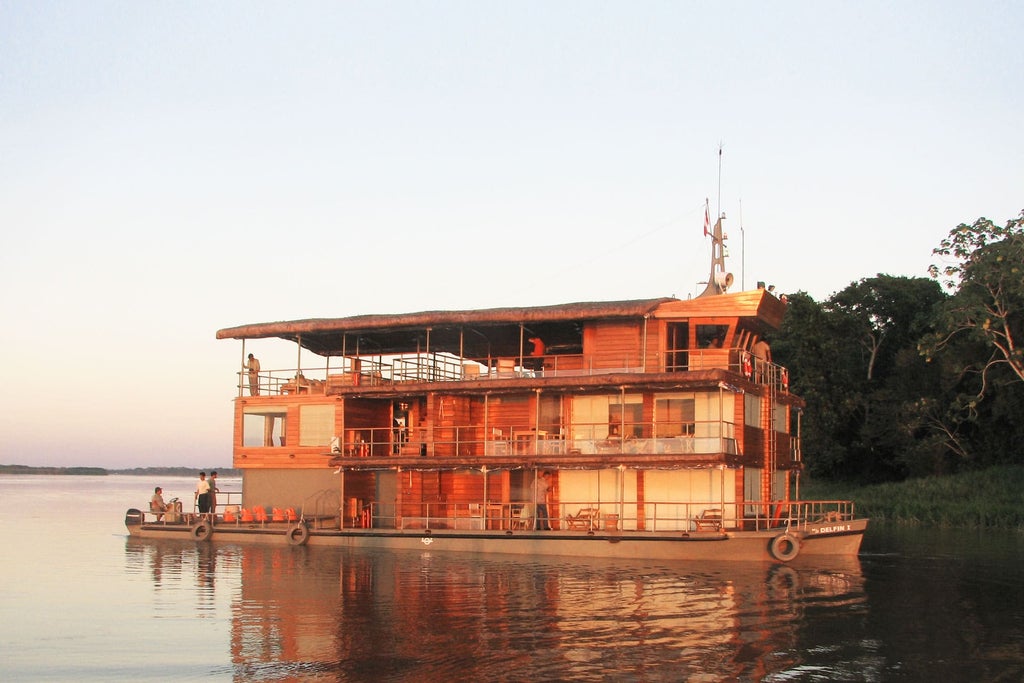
x=169, y=169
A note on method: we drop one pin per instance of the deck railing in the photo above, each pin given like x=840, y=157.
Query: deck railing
x=579, y=439
x=325, y=509
x=654, y=517
x=393, y=370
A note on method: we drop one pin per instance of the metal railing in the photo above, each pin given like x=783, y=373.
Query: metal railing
x=608, y=516
x=664, y=437
x=407, y=368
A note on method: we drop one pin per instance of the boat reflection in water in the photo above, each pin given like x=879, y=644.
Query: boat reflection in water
x=351, y=614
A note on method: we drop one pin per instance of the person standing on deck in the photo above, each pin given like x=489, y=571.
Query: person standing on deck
x=203, y=494
x=253, y=366
x=542, y=487
x=762, y=357
x=213, y=492
x=537, y=354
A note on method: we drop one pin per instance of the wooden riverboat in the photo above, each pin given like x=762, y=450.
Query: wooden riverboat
x=665, y=430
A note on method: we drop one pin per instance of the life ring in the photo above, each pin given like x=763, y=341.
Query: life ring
x=748, y=365
x=784, y=547
x=785, y=379
x=298, y=534
x=201, y=531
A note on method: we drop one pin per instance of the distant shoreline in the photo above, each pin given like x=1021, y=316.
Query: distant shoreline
x=103, y=471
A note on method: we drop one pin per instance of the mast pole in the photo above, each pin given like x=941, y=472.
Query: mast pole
x=719, y=179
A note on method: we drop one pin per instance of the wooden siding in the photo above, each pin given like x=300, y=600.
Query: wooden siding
x=613, y=344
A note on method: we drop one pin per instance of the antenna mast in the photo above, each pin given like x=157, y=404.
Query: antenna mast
x=719, y=178
x=719, y=281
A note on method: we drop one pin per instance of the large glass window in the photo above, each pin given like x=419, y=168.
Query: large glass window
x=674, y=416
x=263, y=426
x=752, y=410
x=627, y=417
x=781, y=412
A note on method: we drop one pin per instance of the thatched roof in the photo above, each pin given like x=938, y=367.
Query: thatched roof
x=472, y=333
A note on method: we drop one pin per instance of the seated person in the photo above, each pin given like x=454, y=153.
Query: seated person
x=157, y=504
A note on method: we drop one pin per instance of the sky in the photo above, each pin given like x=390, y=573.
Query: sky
x=168, y=169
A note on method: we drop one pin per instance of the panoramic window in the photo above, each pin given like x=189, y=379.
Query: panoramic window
x=674, y=416
x=263, y=426
x=629, y=415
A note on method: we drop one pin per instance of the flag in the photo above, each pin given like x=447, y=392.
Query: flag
x=707, y=218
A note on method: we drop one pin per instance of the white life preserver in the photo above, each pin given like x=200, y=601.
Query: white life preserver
x=784, y=547
x=748, y=365
x=297, y=534
x=201, y=531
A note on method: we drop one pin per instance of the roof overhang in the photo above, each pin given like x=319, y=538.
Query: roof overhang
x=474, y=333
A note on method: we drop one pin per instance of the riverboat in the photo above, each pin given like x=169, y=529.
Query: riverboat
x=656, y=428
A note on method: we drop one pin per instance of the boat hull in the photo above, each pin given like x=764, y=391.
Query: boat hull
x=780, y=545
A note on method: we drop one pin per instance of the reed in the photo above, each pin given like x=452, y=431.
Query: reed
x=991, y=498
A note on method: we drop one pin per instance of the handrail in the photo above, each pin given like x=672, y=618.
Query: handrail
x=424, y=367
x=654, y=437
x=657, y=516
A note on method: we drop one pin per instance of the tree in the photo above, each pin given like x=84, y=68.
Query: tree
x=977, y=340
x=854, y=360
x=987, y=307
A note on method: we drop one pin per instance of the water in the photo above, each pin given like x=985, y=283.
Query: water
x=80, y=601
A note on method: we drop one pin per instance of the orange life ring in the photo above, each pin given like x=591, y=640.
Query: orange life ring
x=785, y=379
x=748, y=366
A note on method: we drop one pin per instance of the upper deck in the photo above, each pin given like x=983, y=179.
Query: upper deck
x=544, y=344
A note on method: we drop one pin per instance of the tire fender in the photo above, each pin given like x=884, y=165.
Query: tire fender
x=297, y=534
x=784, y=547
x=201, y=531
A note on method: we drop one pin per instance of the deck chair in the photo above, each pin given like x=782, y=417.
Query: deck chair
x=709, y=520
x=586, y=518
x=526, y=519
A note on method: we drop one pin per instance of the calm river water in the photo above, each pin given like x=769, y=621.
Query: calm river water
x=79, y=601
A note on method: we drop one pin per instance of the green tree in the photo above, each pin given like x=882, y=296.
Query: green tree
x=977, y=341
x=854, y=359
x=987, y=308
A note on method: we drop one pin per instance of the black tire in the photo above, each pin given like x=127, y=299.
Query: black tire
x=785, y=547
x=201, y=531
x=297, y=534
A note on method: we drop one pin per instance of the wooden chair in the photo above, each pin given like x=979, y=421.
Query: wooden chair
x=525, y=519
x=586, y=518
x=709, y=520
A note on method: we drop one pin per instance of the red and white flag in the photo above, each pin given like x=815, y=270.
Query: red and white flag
x=707, y=218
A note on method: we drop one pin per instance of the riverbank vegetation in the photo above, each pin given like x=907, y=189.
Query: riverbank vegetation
x=101, y=471
x=990, y=498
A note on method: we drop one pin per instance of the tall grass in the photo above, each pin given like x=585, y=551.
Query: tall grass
x=992, y=498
